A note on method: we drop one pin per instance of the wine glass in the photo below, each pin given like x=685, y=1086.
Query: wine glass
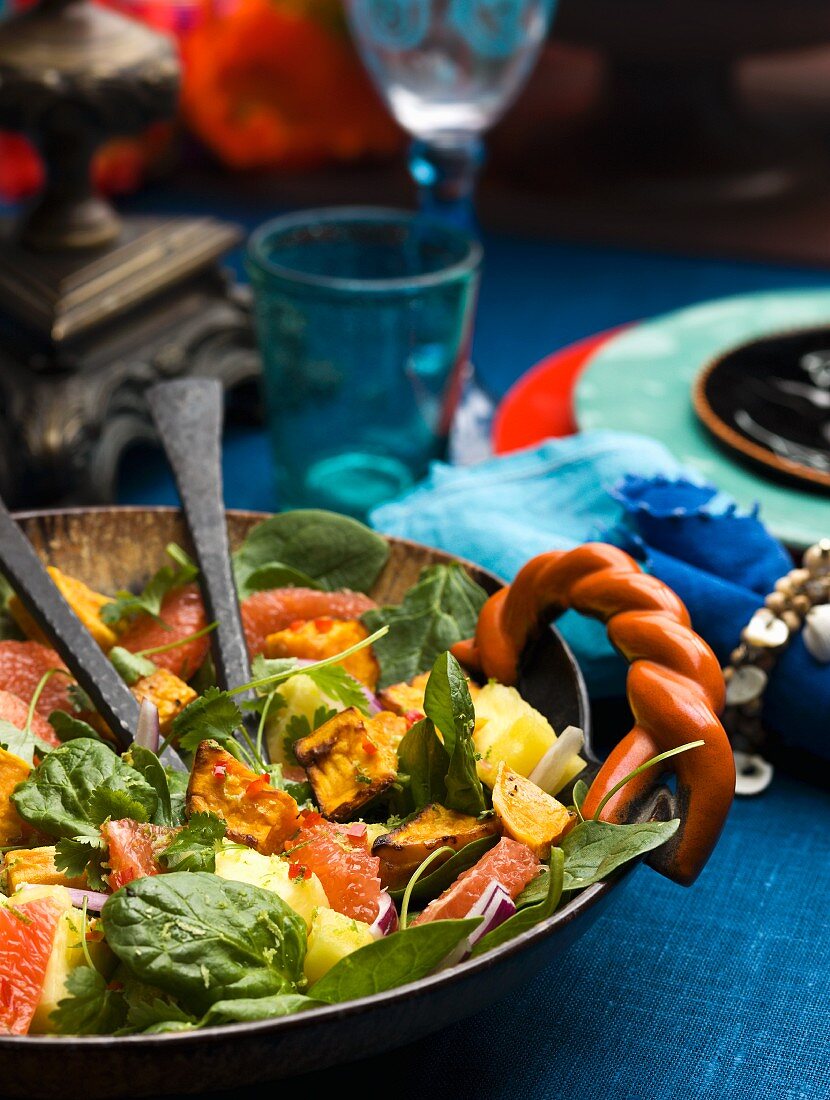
x=448, y=69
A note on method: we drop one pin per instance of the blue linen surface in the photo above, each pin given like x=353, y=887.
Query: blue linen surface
x=719, y=992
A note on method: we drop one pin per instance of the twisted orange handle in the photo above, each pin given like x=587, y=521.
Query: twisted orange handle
x=675, y=686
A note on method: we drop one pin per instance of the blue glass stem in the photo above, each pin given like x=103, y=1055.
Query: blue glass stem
x=445, y=168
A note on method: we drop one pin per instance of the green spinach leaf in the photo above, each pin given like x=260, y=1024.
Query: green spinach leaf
x=423, y=758
x=90, y=1007
x=126, y=605
x=448, y=703
x=257, y=1008
x=529, y=915
x=579, y=795
x=334, y=551
x=396, y=959
x=593, y=849
x=431, y=885
x=146, y=763
x=438, y=611
x=79, y=785
x=68, y=728
x=278, y=575
x=194, y=847
x=204, y=939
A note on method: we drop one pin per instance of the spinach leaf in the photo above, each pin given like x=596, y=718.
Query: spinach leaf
x=423, y=758
x=146, y=763
x=214, y=716
x=530, y=915
x=194, y=847
x=334, y=551
x=396, y=959
x=579, y=795
x=177, y=785
x=204, y=939
x=438, y=611
x=90, y=1007
x=78, y=854
x=447, y=702
x=129, y=666
x=79, y=785
x=431, y=885
x=593, y=849
x=127, y=604
x=278, y=575
x=68, y=728
x=257, y=1008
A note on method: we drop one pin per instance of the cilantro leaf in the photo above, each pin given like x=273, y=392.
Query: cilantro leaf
x=91, y=1008
x=336, y=683
x=214, y=716
x=194, y=848
x=147, y=1014
x=19, y=742
x=74, y=854
x=438, y=611
x=129, y=666
x=126, y=605
x=115, y=803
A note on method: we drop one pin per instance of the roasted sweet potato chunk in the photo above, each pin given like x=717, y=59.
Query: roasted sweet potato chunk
x=84, y=601
x=35, y=867
x=350, y=759
x=320, y=638
x=528, y=814
x=256, y=814
x=407, y=699
x=13, y=770
x=170, y=694
x=403, y=850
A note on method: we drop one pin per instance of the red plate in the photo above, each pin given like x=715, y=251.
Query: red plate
x=540, y=404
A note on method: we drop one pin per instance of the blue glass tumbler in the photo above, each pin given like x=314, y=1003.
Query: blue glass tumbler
x=365, y=319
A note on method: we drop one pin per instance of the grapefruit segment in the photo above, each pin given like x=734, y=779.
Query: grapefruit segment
x=509, y=863
x=22, y=665
x=15, y=711
x=341, y=859
x=182, y=614
x=134, y=849
x=27, y=933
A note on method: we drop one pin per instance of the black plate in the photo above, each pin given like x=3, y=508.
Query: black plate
x=768, y=402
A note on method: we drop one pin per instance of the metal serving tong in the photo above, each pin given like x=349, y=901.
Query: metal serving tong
x=188, y=416
x=81, y=653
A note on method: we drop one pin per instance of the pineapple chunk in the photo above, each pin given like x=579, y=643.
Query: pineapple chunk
x=509, y=729
x=84, y=601
x=332, y=937
x=303, y=700
x=13, y=770
x=67, y=951
x=320, y=638
x=170, y=694
x=35, y=867
x=304, y=894
x=256, y=813
x=350, y=759
x=528, y=814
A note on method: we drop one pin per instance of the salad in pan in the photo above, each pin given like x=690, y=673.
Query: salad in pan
x=358, y=816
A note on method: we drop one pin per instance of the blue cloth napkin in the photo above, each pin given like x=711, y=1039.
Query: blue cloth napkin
x=629, y=490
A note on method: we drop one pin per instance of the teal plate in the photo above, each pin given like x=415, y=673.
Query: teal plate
x=641, y=381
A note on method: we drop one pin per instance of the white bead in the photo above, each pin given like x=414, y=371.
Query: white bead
x=817, y=632
x=766, y=630
x=752, y=774
x=745, y=684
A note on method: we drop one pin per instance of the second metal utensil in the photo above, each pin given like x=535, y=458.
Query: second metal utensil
x=188, y=416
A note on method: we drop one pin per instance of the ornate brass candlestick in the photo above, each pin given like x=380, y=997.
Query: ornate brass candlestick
x=95, y=308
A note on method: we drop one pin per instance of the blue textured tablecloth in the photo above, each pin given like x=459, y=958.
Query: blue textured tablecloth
x=719, y=991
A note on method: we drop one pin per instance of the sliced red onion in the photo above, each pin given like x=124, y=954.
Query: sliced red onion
x=94, y=900
x=495, y=905
x=551, y=772
x=387, y=919
x=372, y=700
x=148, y=731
